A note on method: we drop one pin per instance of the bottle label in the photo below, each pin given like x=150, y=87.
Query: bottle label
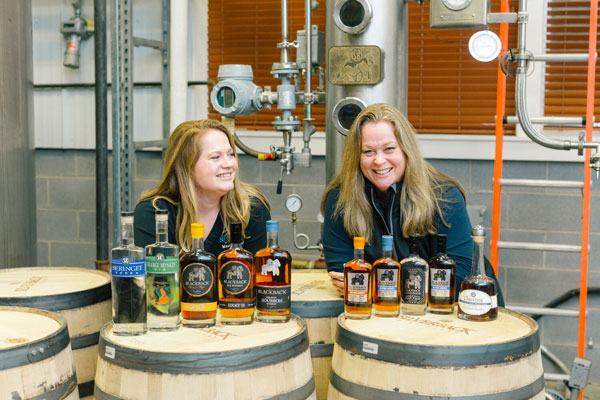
x=197, y=279
x=162, y=291
x=273, y=298
x=235, y=277
x=237, y=305
x=358, y=287
x=474, y=302
x=126, y=268
x=440, y=282
x=495, y=301
x=161, y=264
x=413, y=285
x=387, y=283
x=199, y=306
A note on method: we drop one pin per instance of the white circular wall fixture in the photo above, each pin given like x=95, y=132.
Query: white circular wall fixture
x=485, y=46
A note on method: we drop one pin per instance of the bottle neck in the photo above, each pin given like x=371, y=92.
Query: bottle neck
x=413, y=250
x=198, y=243
x=478, y=266
x=162, y=231
x=272, y=239
x=359, y=254
x=386, y=254
x=126, y=234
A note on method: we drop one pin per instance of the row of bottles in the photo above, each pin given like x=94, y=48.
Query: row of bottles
x=414, y=286
x=152, y=287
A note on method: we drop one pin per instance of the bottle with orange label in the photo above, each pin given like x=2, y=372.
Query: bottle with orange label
x=236, y=281
x=358, y=297
x=198, y=283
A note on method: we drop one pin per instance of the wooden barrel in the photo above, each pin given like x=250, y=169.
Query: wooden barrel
x=35, y=356
x=317, y=302
x=256, y=361
x=437, y=357
x=82, y=296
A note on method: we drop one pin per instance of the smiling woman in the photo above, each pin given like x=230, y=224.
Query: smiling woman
x=385, y=187
x=200, y=184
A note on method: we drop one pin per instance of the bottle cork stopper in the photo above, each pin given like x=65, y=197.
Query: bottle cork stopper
x=359, y=242
x=197, y=230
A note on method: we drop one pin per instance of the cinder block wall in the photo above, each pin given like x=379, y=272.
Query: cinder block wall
x=65, y=181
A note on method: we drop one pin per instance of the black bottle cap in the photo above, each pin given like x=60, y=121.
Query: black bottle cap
x=235, y=232
x=413, y=243
x=441, y=242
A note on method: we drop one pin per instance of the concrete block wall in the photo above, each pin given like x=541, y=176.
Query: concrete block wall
x=65, y=182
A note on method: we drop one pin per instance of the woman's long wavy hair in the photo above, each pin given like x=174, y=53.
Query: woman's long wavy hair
x=178, y=187
x=421, y=195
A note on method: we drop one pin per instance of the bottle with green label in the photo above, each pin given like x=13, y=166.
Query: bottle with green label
x=162, y=278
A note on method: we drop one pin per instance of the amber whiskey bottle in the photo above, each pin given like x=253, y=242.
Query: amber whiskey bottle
x=386, y=274
x=442, y=280
x=477, y=299
x=236, y=281
x=273, y=279
x=414, y=280
x=357, y=284
x=198, y=279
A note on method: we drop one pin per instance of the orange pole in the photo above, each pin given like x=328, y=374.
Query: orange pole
x=585, y=226
x=500, y=110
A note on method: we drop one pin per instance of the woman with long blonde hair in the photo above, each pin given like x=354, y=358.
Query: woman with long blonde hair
x=200, y=183
x=385, y=187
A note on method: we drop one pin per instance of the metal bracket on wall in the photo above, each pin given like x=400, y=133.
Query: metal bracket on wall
x=122, y=100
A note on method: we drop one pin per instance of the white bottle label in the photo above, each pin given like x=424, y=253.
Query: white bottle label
x=494, y=301
x=358, y=287
x=440, y=282
x=475, y=302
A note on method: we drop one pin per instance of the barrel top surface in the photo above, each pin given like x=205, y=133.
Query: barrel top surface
x=18, y=328
x=48, y=281
x=443, y=330
x=313, y=285
x=219, y=338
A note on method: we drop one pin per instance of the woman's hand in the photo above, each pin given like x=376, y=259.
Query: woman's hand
x=337, y=279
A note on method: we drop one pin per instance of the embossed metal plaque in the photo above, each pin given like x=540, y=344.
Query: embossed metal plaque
x=354, y=65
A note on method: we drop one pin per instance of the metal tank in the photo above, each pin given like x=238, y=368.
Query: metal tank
x=17, y=175
x=367, y=51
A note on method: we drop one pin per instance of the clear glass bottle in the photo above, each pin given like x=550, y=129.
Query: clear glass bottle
x=442, y=280
x=273, y=279
x=358, y=297
x=477, y=299
x=128, y=282
x=414, y=279
x=198, y=281
x=162, y=278
x=386, y=282
x=236, y=281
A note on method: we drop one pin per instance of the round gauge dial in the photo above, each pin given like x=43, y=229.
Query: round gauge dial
x=485, y=46
x=456, y=4
x=293, y=203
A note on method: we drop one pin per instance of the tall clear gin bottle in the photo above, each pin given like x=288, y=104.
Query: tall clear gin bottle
x=477, y=299
x=128, y=282
x=414, y=277
x=162, y=278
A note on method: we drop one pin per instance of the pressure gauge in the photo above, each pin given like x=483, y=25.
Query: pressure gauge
x=293, y=203
x=456, y=4
x=485, y=46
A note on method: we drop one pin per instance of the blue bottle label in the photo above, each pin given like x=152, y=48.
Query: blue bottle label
x=126, y=268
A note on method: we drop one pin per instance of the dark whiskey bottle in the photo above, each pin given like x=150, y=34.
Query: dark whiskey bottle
x=357, y=284
x=198, y=281
x=413, y=280
x=273, y=279
x=477, y=299
x=236, y=281
x=442, y=280
x=386, y=281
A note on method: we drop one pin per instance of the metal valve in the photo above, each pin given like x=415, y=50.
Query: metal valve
x=75, y=30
